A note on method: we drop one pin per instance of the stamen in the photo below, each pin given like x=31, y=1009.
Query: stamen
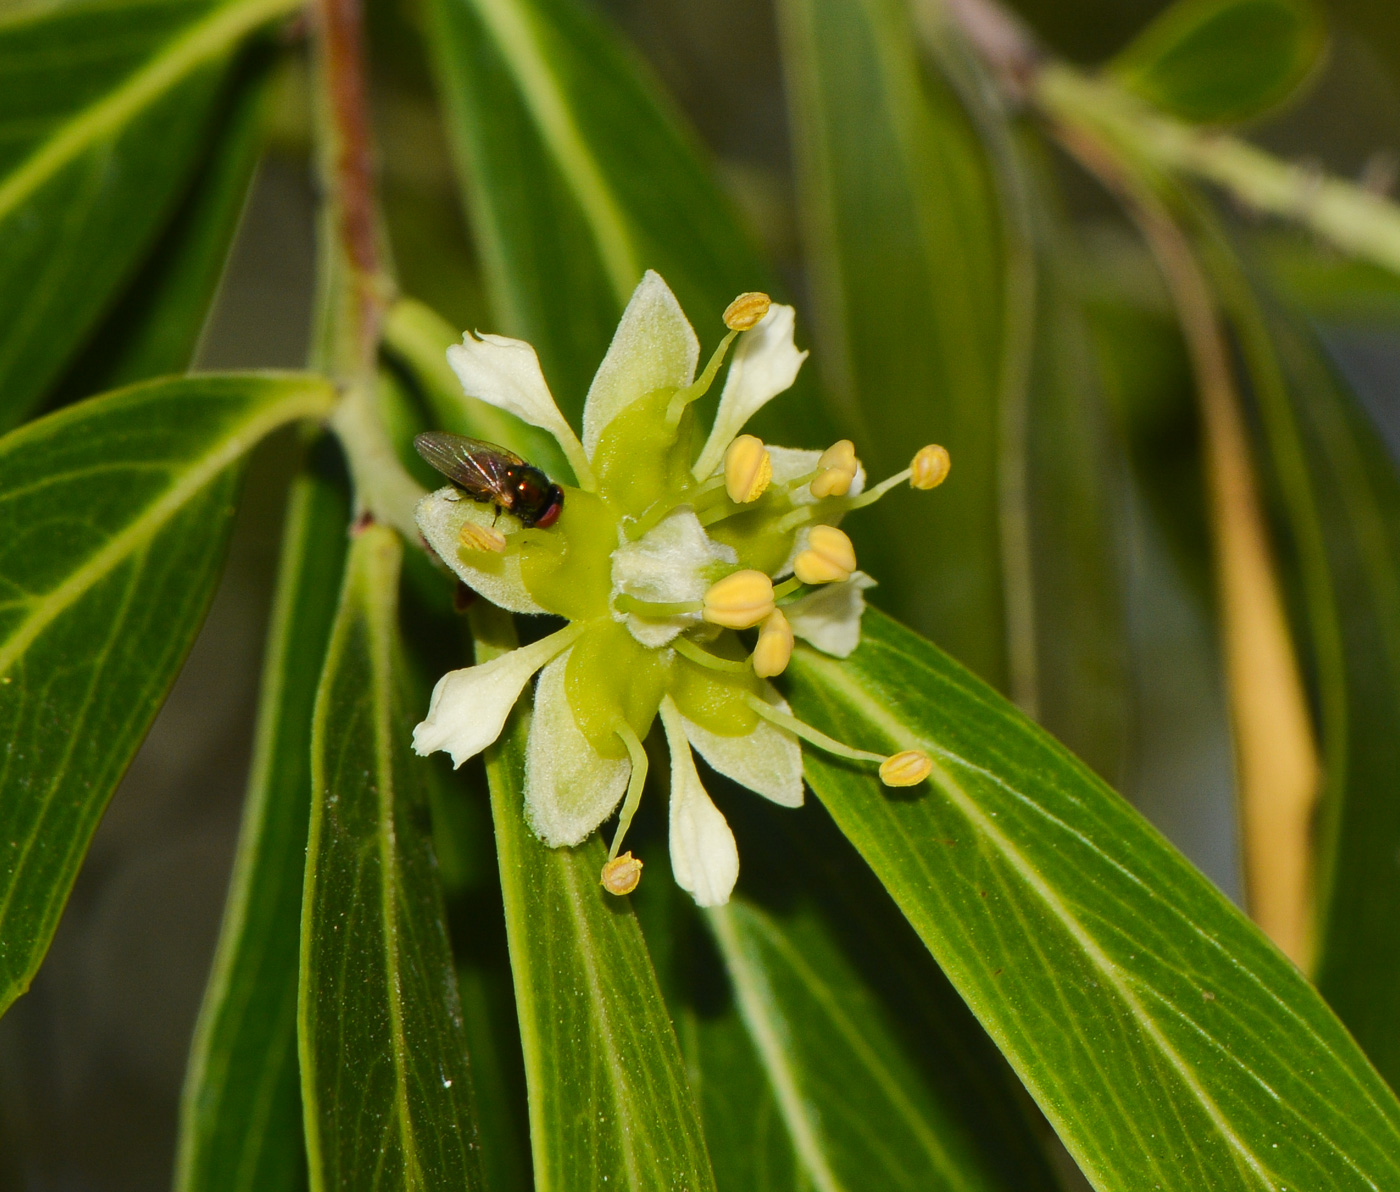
x=477, y=537
x=786, y=587
x=909, y=767
x=906, y=768
x=621, y=874
x=808, y=733
x=773, y=650
x=740, y=600
x=748, y=469
x=747, y=311
x=701, y=385
x=829, y=558
x=627, y=603
x=688, y=649
x=634, y=785
x=836, y=469
x=930, y=467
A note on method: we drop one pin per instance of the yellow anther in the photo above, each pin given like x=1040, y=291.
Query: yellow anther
x=746, y=311
x=834, y=482
x=908, y=768
x=774, y=647
x=841, y=454
x=748, y=469
x=829, y=558
x=835, y=470
x=475, y=537
x=930, y=467
x=621, y=874
x=740, y=600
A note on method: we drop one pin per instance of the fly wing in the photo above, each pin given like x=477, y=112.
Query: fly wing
x=483, y=469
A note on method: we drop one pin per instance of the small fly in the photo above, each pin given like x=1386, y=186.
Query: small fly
x=492, y=474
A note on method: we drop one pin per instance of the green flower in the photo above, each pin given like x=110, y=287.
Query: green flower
x=665, y=552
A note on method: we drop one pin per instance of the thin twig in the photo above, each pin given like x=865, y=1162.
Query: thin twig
x=354, y=291
x=1350, y=216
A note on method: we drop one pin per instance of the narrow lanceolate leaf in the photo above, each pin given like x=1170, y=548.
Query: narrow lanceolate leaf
x=578, y=177
x=835, y=1067
x=241, y=1125
x=901, y=221
x=1220, y=61
x=1170, y=1045
x=154, y=326
x=609, y=1103
x=102, y=109
x=1070, y=608
x=113, y=518
x=1339, y=493
x=386, y=1086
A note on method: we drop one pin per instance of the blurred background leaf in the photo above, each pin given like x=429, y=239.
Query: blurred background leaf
x=1223, y=61
x=904, y=249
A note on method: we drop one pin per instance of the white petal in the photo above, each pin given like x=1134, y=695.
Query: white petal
x=469, y=706
x=672, y=562
x=704, y=858
x=505, y=373
x=569, y=787
x=764, y=364
x=829, y=616
x=497, y=577
x=768, y=760
x=653, y=348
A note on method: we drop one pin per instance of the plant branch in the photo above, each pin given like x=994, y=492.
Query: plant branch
x=1350, y=217
x=353, y=289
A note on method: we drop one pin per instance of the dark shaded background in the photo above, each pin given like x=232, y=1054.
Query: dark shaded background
x=92, y=1058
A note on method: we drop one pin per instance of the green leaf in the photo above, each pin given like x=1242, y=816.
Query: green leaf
x=1223, y=61
x=1170, y=1045
x=904, y=248
x=102, y=108
x=609, y=1103
x=1061, y=483
x=113, y=518
x=1338, y=494
x=241, y=1114
x=578, y=177
x=835, y=1066
x=386, y=1086
x=155, y=325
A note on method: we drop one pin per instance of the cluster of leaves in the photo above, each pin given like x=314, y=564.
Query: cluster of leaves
x=1024, y=927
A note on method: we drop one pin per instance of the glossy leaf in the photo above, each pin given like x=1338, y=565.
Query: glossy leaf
x=609, y=1103
x=1222, y=61
x=155, y=325
x=905, y=258
x=105, y=105
x=1338, y=492
x=113, y=518
x=386, y=1086
x=578, y=178
x=241, y=1114
x=1167, y=1041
